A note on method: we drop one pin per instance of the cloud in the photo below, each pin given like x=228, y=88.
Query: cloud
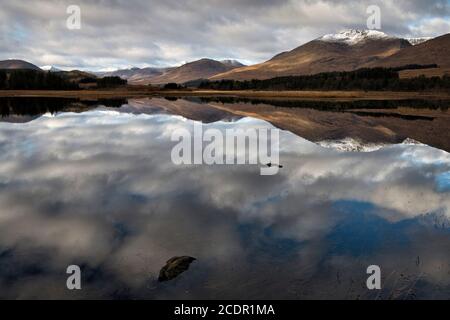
x=122, y=33
x=432, y=26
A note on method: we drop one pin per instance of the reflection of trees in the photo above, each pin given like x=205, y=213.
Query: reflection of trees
x=32, y=106
x=333, y=105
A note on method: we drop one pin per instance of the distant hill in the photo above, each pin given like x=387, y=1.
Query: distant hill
x=345, y=51
x=200, y=69
x=74, y=75
x=17, y=64
x=136, y=75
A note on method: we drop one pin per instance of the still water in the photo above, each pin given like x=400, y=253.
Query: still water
x=98, y=189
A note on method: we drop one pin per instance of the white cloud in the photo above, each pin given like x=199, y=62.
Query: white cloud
x=431, y=27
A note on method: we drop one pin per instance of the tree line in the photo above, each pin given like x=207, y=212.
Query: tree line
x=376, y=79
x=38, y=80
x=33, y=80
x=105, y=82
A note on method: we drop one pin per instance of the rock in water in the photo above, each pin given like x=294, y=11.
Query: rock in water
x=174, y=267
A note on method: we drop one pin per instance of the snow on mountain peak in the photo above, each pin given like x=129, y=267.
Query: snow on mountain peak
x=416, y=41
x=232, y=63
x=353, y=36
x=50, y=68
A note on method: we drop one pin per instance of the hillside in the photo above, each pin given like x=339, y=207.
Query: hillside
x=434, y=51
x=200, y=69
x=136, y=75
x=17, y=64
x=345, y=51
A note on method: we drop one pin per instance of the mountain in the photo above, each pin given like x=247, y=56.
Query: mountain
x=434, y=51
x=51, y=69
x=136, y=75
x=143, y=76
x=54, y=69
x=200, y=69
x=354, y=37
x=344, y=51
x=74, y=75
x=17, y=64
x=232, y=63
x=416, y=41
x=122, y=73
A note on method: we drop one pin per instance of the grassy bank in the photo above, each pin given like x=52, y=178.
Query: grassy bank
x=138, y=92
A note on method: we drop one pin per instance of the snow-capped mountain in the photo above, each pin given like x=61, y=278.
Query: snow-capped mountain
x=416, y=41
x=353, y=36
x=51, y=69
x=345, y=51
x=232, y=63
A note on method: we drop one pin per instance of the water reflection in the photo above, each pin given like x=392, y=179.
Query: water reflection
x=25, y=109
x=98, y=189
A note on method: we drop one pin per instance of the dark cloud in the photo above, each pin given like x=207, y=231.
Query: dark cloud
x=139, y=32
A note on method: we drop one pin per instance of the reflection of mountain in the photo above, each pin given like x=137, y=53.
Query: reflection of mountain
x=354, y=145
x=189, y=109
x=370, y=122
x=20, y=110
x=25, y=109
x=363, y=129
x=331, y=122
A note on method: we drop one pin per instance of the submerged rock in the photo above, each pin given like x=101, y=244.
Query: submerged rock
x=174, y=267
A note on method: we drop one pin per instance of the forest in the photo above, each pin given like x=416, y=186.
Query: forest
x=33, y=80
x=376, y=79
x=38, y=80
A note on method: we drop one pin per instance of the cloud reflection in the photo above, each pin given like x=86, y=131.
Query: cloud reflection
x=98, y=189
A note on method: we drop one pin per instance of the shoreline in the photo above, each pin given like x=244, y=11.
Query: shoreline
x=294, y=95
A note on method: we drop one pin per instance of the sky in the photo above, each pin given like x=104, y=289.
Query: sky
x=118, y=34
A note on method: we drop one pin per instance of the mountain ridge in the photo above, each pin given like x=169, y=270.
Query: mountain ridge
x=345, y=51
x=195, y=70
